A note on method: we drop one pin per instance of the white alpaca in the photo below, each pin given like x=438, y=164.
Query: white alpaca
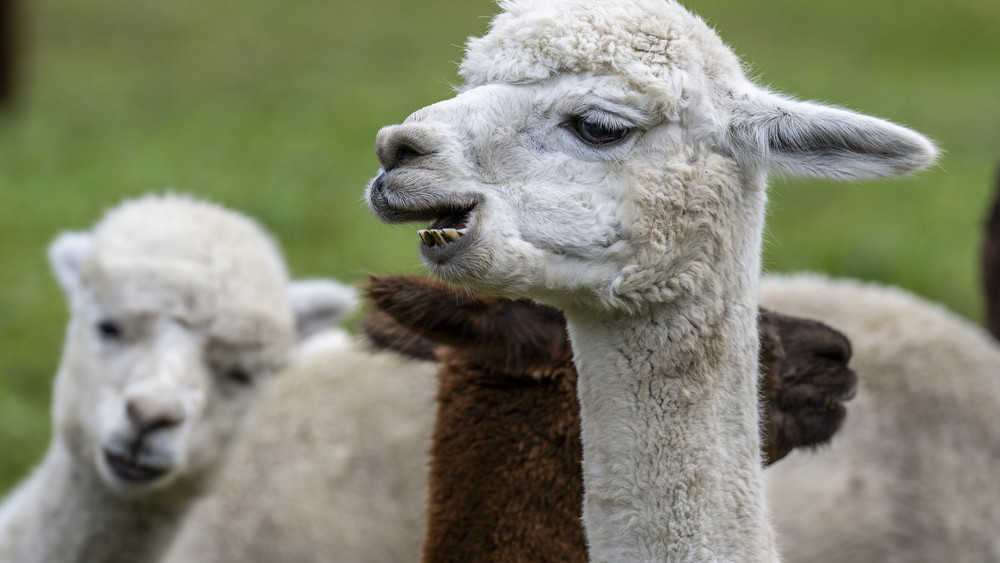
x=610, y=158
x=181, y=313
x=334, y=469
x=912, y=475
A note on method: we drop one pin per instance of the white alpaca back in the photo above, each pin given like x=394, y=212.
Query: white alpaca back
x=335, y=468
x=914, y=475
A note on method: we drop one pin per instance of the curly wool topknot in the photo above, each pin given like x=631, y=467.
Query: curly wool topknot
x=643, y=40
x=175, y=251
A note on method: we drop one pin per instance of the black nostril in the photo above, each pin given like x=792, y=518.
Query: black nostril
x=398, y=145
x=405, y=153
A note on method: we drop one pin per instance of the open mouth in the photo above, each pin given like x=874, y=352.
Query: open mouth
x=450, y=220
x=447, y=229
x=130, y=469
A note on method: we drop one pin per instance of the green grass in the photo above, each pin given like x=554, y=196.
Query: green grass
x=271, y=108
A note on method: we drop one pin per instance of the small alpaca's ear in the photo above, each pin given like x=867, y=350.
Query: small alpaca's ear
x=318, y=304
x=66, y=255
x=773, y=133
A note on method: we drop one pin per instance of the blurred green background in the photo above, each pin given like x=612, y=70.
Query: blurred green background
x=271, y=107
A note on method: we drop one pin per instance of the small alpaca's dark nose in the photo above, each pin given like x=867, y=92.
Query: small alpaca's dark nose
x=149, y=414
x=400, y=144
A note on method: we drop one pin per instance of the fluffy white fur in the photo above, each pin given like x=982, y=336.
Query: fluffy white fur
x=335, y=468
x=181, y=313
x=649, y=241
x=912, y=475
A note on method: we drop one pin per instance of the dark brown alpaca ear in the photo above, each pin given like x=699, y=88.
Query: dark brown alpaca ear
x=507, y=334
x=431, y=308
x=991, y=263
x=385, y=333
x=806, y=378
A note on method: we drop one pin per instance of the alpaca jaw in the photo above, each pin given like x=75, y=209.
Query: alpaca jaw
x=136, y=466
x=451, y=220
x=470, y=238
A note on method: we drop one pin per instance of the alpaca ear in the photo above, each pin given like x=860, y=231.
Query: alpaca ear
x=433, y=309
x=808, y=139
x=318, y=304
x=508, y=335
x=386, y=333
x=66, y=255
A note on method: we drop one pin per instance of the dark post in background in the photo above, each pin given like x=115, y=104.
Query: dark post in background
x=8, y=52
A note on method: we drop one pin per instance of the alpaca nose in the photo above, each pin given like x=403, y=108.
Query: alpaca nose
x=149, y=413
x=398, y=144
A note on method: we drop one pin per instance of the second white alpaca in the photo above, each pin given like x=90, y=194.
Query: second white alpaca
x=334, y=468
x=181, y=313
x=912, y=475
x=610, y=158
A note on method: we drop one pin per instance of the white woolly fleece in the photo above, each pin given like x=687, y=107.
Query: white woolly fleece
x=672, y=54
x=646, y=41
x=334, y=469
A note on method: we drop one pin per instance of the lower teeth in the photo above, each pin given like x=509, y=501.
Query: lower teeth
x=440, y=237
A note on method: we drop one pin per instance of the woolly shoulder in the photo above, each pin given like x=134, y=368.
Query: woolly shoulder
x=887, y=321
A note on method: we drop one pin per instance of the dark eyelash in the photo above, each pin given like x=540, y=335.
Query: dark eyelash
x=598, y=130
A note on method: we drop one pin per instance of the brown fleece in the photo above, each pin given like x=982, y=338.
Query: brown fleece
x=505, y=482
x=991, y=264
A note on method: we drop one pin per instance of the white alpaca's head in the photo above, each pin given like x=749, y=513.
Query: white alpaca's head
x=181, y=313
x=611, y=154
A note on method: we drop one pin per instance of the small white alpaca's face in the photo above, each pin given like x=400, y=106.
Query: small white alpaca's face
x=151, y=395
x=181, y=312
x=532, y=189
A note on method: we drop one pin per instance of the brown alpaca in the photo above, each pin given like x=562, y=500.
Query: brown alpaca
x=991, y=264
x=505, y=481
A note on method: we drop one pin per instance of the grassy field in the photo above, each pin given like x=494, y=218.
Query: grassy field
x=271, y=108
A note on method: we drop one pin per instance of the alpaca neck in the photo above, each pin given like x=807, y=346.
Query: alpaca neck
x=504, y=478
x=669, y=409
x=64, y=513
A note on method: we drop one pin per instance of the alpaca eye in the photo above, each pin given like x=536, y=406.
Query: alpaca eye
x=239, y=376
x=109, y=330
x=598, y=132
